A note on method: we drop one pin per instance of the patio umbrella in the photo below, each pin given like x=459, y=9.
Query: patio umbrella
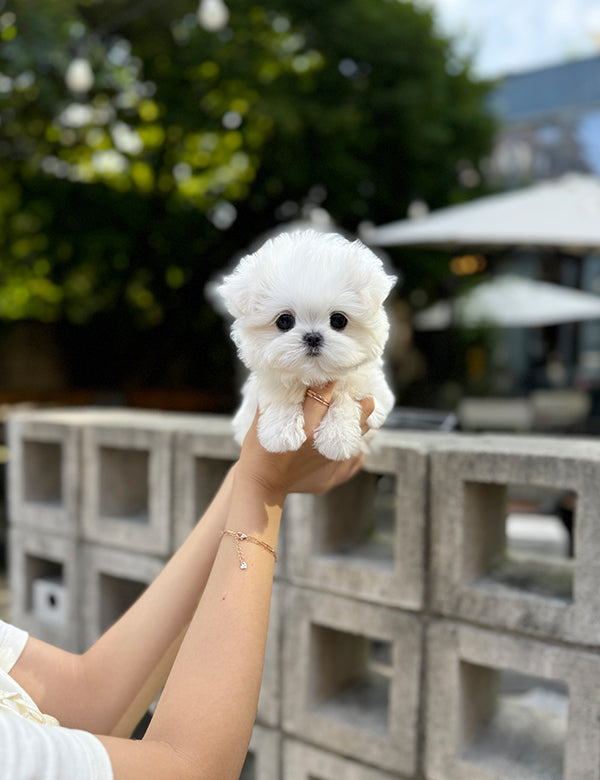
x=562, y=214
x=510, y=301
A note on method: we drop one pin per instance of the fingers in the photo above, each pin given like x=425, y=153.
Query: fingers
x=316, y=404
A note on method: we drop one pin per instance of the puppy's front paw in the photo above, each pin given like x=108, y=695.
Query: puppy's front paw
x=282, y=432
x=277, y=441
x=338, y=437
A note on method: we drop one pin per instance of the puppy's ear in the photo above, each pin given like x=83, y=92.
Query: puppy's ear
x=376, y=283
x=236, y=289
x=387, y=284
x=379, y=286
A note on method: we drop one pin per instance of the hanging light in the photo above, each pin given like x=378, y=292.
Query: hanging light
x=79, y=77
x=213, y=15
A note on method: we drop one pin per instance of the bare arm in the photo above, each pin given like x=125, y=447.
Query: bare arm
x=202, y=726
x=109, y=688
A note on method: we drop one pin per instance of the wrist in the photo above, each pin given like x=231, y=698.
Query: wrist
x=255, y=509
x=258, y=488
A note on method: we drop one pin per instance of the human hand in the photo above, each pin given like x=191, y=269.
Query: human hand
x=304, y=470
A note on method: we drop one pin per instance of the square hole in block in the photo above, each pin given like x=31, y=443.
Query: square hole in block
x=350, y=678
x=249, y=768
x=208, y=475
x=117, y=594
x=42, y=472
x=38, y=569
x=513, y=725
x=519, y=537
x=357, y=521
x=124, y=484
x=541, y=521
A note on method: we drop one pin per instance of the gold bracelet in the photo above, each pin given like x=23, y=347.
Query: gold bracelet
x=240, y=536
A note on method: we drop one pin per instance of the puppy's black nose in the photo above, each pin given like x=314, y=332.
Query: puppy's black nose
x=313, y=340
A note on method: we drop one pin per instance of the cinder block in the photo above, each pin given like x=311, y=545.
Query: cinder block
x=351, y=678
x=43, y=474
x=366, y=538
x=263, y=761
x=204, y=453
x=303, y=762
x=112, y=580
x=35, y=556
x=502, y=707
x=50, y=599
x=127, y=487
x=283, y=545
x=269, y=703
x=203, y=457
x=472, y=577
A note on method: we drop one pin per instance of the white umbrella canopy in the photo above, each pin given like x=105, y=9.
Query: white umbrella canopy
x=510, y=301
x=562, y=214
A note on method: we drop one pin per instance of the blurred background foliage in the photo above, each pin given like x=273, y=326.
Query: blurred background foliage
x=141, y=152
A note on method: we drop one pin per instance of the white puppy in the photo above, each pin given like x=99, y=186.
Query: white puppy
x=308, y=309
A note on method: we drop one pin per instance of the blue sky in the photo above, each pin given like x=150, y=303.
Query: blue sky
x=509, y=36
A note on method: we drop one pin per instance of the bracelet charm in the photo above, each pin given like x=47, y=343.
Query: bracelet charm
x=239, y=537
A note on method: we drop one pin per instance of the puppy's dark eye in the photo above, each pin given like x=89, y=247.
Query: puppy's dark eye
x=285, y=321
x=338, y=321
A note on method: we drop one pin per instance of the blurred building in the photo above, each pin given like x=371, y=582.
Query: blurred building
x=550, y=125
x=548, y=141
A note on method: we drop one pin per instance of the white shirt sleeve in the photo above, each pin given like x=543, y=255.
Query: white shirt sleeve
x=29, y=750
x=12, y=642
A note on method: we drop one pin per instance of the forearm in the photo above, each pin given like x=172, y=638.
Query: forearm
x=207, y=710
x=108, y=688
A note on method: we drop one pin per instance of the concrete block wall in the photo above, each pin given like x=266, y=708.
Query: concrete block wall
x=351, y=675
x=482, y=726
x=407, y=638
x=111, y=580
x=126, y=487
x=469, y=483
x=43, y=492
x=366, y=538
x=42, y=563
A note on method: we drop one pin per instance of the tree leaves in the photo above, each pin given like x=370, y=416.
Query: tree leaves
x=123, y=193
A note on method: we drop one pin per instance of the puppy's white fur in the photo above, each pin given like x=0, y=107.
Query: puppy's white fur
x=310, y=276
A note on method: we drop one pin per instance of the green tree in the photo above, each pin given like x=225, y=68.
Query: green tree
x=139, y=153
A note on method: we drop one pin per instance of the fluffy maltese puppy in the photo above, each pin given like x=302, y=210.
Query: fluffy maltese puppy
x=308, y=309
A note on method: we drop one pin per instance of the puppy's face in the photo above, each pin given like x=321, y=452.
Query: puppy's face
x=309, y=306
